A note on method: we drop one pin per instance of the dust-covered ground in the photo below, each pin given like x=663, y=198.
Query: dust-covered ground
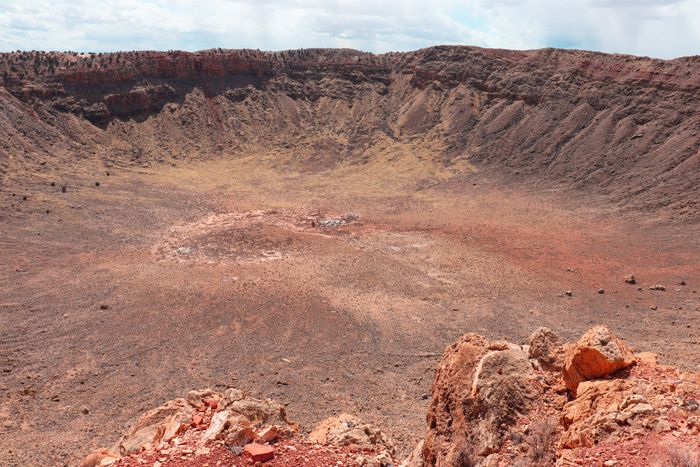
x=333, y=291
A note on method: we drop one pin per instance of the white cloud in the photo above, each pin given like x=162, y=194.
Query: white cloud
x=660, y=28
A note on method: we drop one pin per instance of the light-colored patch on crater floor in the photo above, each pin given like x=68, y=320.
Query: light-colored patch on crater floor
x=250, y=237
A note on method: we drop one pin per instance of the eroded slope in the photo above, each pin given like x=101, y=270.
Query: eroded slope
x=621, y=125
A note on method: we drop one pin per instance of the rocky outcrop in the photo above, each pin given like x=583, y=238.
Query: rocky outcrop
x=494, y=404
x=477, y=394
x=547, y=349
x=242, y=420
x=486, y=390
x=165, y=421
x=348, y=430
x=100, y=457
x=230, y=417
x=256, y=429
x=415, y=459
x=611, y=410
x=596, y=354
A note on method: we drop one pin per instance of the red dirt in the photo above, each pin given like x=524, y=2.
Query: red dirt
x=288, y=452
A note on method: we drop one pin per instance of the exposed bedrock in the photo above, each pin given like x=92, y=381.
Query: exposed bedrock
x=614, y=124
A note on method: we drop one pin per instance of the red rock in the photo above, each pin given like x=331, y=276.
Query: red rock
x=213, y=403
x=547, y=348
x=195, y=397
x=597, y=354
x=258, y=453
x=96, y=457
x=197, y=420
x=472, y=400
x=148, y=426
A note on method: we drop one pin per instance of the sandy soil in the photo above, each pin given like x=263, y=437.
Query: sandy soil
x=128, y=294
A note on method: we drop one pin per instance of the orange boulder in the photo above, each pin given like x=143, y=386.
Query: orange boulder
x=258, y=452
x=597, y=354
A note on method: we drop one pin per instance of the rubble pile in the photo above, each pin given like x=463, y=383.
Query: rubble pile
x=494, y=404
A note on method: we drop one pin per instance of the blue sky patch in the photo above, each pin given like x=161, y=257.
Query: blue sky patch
x=462, y=15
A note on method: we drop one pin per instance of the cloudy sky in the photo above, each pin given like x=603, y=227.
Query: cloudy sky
x=655, y=28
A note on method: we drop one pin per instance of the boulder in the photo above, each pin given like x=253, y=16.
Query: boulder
x=235, y=418
x=223, y=421
x=347, y=430
x=194, y=398
x=261, y=412
x=238, y=431
x=648, y=358
x=383, y=459
x=172, y=426
x=598, y=353
x=599, y=410
x=477, y=395
x=240, y=434
x=415, y=459
x=100, y=457
x=501, y=345
x=547, y=349
x=258, y=453
x=230, y=396
x=241, y=421
x=147, y=426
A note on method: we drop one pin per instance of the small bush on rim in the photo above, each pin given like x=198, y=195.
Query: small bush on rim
x=681, y=456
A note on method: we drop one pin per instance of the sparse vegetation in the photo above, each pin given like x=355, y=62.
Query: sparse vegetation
x=681, y=456
x=543, y=434
x=523, y=462
x=516, y=437
x=465, y=456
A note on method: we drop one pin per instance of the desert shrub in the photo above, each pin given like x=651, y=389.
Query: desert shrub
x=542, y=437
x=516, y=437
x=681, y=456
x=523, y=462
x=464, y=456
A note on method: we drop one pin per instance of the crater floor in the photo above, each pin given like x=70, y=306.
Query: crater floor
x=118, y=297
